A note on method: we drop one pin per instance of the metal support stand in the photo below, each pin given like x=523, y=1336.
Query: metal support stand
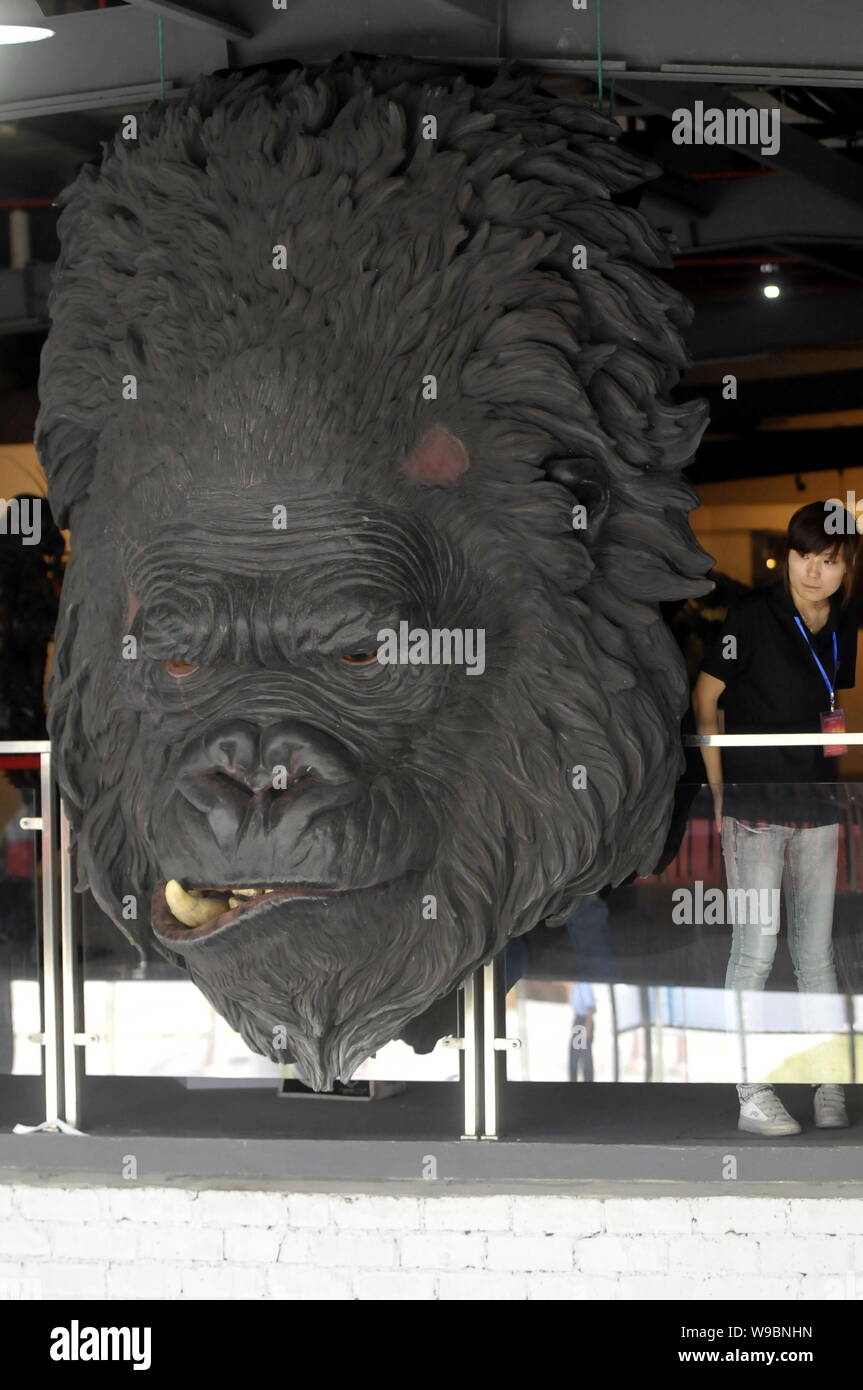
x=483, y=1045
x=469, y=1043
x=495, y=1045
x=51, y=1004
x=74, y=1037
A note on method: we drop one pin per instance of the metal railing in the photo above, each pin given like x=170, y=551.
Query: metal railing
x=769, y=740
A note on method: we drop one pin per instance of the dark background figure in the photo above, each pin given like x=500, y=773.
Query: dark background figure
x=583, y=1002
x=31, y=577
x=695, y=624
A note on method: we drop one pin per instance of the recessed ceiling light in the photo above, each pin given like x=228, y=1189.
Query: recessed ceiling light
x=771, y=291
x=21, y=21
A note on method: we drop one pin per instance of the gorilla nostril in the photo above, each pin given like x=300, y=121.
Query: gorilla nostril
x=297, y=751
x=239, y=768
x=221, y=778
x=257, y=781
x=266, y=779
x=236, y=748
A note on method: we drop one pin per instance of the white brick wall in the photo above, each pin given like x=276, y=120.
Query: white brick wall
x=170, y=1243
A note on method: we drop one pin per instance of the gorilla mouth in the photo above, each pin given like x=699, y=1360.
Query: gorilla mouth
x=189, y=914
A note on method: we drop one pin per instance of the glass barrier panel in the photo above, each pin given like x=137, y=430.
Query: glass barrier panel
x=146, y=1018
x=740, y=960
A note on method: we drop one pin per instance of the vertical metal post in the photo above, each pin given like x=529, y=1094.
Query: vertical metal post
x=647, y=1028
x=489, y=1069
x=51, y=1003
x=614, y=1031
x=490, y=1056
x=655, y=996
x=741, y=1034
x=470, y=1054
x=68, y=963
x=495, y=1043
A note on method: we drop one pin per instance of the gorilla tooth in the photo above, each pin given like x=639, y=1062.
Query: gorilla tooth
x=235, y=902
x=245, y=892
x=191, y=911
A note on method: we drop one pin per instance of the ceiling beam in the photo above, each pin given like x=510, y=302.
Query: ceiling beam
x=823, y=168
x=802, y=320
x=783, y=211
x=772, y=366
x=823, y=260
x=666, y=38
x=198, y=18
x=767, y=454
x=98, y=54
x=488, y=10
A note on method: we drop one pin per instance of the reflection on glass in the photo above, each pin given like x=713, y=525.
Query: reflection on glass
x=659, y=980
x=148, y=1019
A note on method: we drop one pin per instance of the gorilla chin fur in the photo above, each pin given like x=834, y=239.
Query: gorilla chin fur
x=279, y=490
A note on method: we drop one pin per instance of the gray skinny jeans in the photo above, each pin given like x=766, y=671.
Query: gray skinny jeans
x=802, y=863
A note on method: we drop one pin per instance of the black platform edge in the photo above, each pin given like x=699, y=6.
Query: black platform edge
x=811, y=1169
x=577, y=1138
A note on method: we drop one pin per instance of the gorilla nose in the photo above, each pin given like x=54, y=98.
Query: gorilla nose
x=239, y=769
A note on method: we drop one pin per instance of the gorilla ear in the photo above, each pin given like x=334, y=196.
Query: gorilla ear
x=439, y=457
x=587, y=484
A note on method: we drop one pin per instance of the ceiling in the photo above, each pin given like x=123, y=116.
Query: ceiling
x=732, y=210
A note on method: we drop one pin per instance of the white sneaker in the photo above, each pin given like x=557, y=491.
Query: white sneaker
x=764, y=1113
x=830, y=1112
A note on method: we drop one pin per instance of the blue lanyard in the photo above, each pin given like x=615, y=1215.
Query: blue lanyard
x=827, y=680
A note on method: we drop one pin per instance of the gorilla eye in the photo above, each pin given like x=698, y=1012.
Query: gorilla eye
x=360, y=658
x=179, y=668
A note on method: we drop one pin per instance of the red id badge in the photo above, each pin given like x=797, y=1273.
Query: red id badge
x=834, y=723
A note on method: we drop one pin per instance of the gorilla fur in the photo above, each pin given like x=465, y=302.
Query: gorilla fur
x=429, y=816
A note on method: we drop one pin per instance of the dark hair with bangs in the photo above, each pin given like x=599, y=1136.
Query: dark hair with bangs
x=821, y=526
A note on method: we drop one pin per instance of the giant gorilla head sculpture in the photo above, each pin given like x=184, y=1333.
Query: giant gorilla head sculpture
x=326, y=359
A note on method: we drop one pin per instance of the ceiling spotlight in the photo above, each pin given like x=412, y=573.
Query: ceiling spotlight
x=768, y=267
x=21, y=21
x=771, y=291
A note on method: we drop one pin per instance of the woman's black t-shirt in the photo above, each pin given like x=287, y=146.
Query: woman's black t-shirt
x=773, y=685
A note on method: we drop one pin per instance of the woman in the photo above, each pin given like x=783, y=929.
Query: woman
x=783, y=653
